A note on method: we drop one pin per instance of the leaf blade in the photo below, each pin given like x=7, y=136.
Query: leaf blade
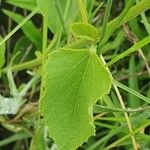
x=2, y=53
x=70, y=92
x=25, y=4
x=84, y=30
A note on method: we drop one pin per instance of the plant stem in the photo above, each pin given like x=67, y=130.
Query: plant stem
x=45, y=32
x=52, y=42
x=44, y=45
x=59, y=9
x=19, y=26
x=16, y=137
x=132, y=49
x=114, y=24
x=131, y=91
x=112, y=145
x=106, y=18
x=135, y=145
x=67, y=8
x=100, y=108
x=9, y=41
x=136, y=10
x=127, y=14
x=83, y=11
x=27, y=65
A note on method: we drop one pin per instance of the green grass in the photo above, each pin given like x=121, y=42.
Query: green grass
x=31, y=32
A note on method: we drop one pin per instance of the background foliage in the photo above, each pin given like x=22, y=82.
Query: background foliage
x=35, y=31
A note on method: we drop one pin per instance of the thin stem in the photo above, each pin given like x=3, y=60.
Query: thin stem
x=53, y=42
x=114, y=24
x=145, y=61
x=12, y=85
x=106, y=18
x=83, y=11
x=16, y=137
x=19, y=26
x=132, y=49
x=57, y=45
x=45, y=31
x=91, y=17
x=133, y=39
x=136, y=10
x=8, y=31
x=135, y=145
x=27, y=65
x=112, y=145
x=59, y=9
x=44, y=34
x=126, y=115
x=145, y=22
x=116, y=83
x=67, y=8
x=100, y=108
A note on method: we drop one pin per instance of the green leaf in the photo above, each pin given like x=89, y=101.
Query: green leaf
x=84, y=30
x=2, y=53
x=74, y=80
x=26, y=4
x=59, y=13
x=29, y=29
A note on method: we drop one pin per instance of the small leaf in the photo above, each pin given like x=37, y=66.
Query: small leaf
x=84, y=30
x=2, y=53
x=29, y=28
x=74, y=80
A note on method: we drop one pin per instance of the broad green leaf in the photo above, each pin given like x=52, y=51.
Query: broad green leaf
x=74, y=80
x=29, y=29
x=26, y=4
x=2, y=53
x=84, y=30
x=59, y=13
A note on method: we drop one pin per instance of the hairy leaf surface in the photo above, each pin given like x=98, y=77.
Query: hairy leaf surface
x=74, y=80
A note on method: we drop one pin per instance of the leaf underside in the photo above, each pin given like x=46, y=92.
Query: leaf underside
x=74, y=80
